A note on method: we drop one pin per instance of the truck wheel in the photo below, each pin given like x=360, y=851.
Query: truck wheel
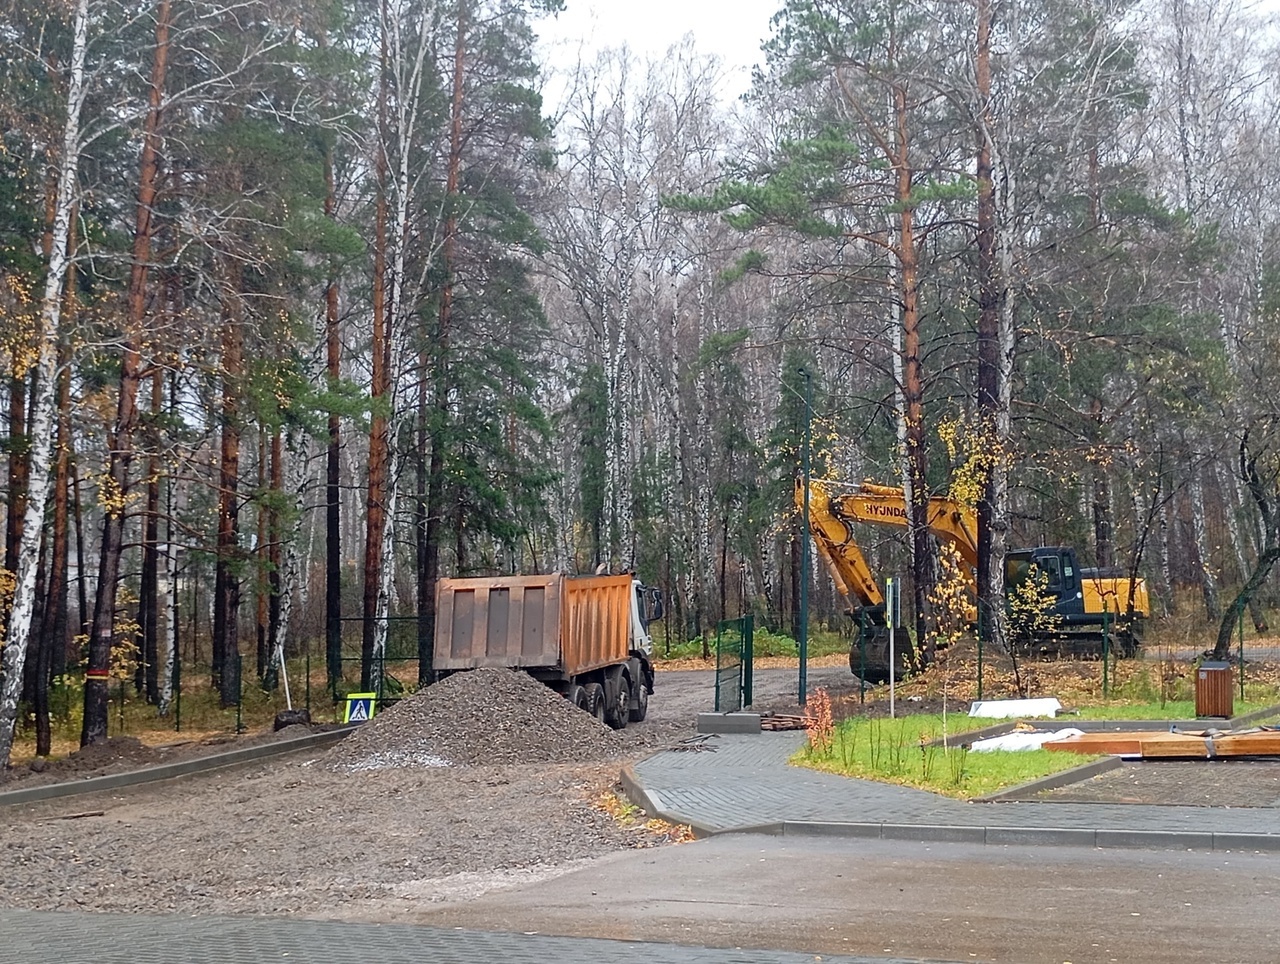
x=594, y=695
x=619, y=708
x=576, y=696
x=641, y=709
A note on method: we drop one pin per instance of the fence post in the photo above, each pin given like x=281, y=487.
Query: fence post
x=1241, y=649
x=979, y=652
x=177, y=689
x=239, y=693
x=308, y=670
x=748, y=657
x=862, y=656
x=1106, y=646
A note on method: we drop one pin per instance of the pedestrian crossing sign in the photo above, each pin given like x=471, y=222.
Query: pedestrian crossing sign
x=360, y=707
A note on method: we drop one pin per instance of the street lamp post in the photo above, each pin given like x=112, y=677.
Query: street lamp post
x=804, y=544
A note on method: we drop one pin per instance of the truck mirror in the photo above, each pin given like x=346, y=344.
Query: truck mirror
x=655, y=604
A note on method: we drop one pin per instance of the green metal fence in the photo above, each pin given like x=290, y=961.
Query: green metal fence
x=734, y=658
x=395, y=671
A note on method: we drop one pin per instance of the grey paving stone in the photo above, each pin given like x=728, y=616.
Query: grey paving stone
x=33, y=937
x=728, y=722
x=746, y=781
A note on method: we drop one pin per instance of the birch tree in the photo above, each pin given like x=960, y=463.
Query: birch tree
x=18, y=632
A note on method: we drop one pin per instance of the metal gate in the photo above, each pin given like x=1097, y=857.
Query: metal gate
x=733, y=664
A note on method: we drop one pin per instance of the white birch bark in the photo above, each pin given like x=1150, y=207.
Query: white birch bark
x=41, y=432
x=1200, y=532
x=296, y=483
x=1167, y=602
x=900, y=407
x=169, y=594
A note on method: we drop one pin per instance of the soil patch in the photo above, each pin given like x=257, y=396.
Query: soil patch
x=121, y=754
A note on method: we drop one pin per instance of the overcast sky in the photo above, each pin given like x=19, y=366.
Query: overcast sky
x=733, y=29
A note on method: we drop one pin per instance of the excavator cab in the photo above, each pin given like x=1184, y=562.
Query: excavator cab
x=1088, y=603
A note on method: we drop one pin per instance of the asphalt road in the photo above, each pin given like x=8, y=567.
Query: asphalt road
x=907, y=900
x=685, y=693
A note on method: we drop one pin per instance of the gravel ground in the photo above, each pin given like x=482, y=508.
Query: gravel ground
x=366, y=829
x=356, y=831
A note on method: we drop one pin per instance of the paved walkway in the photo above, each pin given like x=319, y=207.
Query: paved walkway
x=64, y=938
x=745, y=782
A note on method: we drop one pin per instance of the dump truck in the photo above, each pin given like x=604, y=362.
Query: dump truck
x=587, y=637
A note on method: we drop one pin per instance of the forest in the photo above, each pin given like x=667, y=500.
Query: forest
x=305, y=305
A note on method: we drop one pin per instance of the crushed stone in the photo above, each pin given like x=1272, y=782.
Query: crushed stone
x=480, y=717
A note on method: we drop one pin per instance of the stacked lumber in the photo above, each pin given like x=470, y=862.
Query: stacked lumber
x=1155, y=745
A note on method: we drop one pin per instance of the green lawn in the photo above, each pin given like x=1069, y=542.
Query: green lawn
x=1171, y=710
x=893, y=751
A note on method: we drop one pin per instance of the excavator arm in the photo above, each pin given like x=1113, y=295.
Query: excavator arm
x=832, y=515
x=834, y=539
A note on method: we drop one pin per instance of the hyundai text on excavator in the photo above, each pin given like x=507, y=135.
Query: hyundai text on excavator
x=1088, y=604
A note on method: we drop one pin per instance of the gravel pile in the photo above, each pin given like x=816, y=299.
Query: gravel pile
x=480, y=717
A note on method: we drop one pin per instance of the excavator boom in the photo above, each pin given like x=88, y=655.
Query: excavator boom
x=834, y=509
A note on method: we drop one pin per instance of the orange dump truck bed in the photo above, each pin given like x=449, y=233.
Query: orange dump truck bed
x=571, y=624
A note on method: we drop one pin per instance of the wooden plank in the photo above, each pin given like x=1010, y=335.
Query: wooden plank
x=1227, y=746
x=1172, y=746
x=1117, y=744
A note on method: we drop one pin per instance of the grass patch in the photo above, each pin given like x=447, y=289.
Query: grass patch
x=764, y=645
x=1172, y=710
x=895, y=751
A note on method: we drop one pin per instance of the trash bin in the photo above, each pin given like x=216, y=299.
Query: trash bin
x=1214, y=691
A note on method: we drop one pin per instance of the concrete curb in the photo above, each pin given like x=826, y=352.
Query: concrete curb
x=1257, y=716
x=1034, y=836
x=1053, y=781
x=649, y=801
x=169, y=771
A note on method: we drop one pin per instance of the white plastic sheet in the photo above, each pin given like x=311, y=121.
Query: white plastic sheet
x=1008, y=709
x=1023, y=740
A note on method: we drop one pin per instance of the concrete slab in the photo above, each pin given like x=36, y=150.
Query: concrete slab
x=728, y=722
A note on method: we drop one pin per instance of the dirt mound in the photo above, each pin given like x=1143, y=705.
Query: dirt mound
x=485, y=716
x=116, y=755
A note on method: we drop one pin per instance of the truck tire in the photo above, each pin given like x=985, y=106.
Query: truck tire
x=641, y=708
x=593, y=693
x=576, y=696
x=618, y=710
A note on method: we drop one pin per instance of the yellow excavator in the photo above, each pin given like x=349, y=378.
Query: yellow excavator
x=1088, y=604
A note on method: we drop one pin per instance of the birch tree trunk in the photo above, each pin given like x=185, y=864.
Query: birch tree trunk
x=1208, y=581
x=296, y=484
x=18, y=633
x=168, y=592
x=1238, y=544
